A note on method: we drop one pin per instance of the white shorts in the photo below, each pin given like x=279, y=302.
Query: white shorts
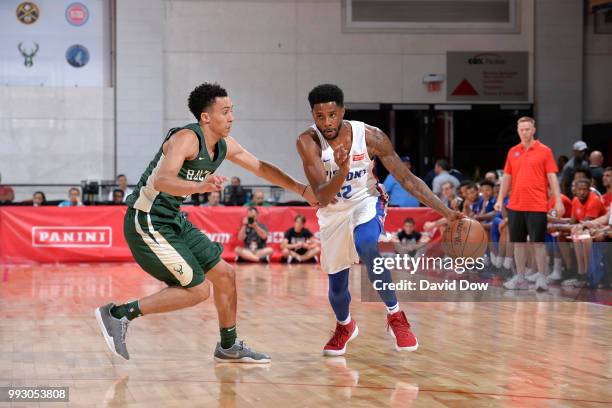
x=336, y=227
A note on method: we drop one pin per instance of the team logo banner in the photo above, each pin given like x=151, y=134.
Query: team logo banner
x=27, y=12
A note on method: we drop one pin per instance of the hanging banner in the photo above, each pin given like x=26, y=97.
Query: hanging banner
x=95, y=234
x=55, y=43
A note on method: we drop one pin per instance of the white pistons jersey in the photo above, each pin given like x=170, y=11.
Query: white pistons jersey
x=360, y=182
x=359, y=201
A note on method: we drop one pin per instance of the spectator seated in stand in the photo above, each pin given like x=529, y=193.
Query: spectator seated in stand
x=39, y=199
x=449, y=195
x=442, y=169
x=74, y=198
x=258, y=200
x=253, y=235
x=491, y=176
x=607, y=183
x=7, y=195
x=484, y=207
x=299, y=245
x=118, y=197
x=410, y=241
x=214, y=199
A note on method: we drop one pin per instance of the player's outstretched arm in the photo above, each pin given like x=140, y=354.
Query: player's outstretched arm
x=268, y=171
x=180, y=147
x=324, y=191
x=379, y=145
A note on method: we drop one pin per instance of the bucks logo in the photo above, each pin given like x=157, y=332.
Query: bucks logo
x=27, y=12
x=28, y=55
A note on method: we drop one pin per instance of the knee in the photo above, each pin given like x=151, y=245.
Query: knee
x=200, y=292
x=367, y=249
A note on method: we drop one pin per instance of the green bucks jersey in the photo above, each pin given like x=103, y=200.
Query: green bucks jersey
x=145, y=198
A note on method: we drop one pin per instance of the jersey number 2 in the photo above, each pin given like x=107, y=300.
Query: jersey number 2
x=346, y=191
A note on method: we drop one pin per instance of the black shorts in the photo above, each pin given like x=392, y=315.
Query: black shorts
x=523, y=223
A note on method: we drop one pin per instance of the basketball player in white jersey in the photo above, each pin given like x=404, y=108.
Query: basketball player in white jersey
x=338, y=161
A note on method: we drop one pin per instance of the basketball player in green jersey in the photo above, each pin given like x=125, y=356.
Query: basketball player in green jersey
x=166, y=245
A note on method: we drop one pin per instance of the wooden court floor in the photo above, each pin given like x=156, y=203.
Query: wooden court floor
x=470, y=355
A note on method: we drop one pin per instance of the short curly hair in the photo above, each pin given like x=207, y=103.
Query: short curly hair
x=203, y=96
x=326, y=93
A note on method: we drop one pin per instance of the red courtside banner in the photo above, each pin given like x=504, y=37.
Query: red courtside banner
x=95, y=234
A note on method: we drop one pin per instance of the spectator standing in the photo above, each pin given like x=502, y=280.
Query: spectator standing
x=122, y=184
x=579, y=160
x=596, y=161
x=234, y=194
x=397, y=195
x=441, y=169
x=529, y=170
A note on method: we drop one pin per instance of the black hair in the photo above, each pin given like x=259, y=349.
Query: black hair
x=472, y=185
x=78, y=190
x=43, y=196
x=326, y=93
x=587, y=172
x=583, y=181
x=444, y=164
x=253, y=208
x=486, y=182
x=409, y=220
x=465, y=183
x=120, y=190
x=300, y=217
x=203, y=96
x=120, y=175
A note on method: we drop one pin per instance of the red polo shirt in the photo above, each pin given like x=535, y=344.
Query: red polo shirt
x=567, y=204
x=528, y=169
x=592, y=208
x=607, y=199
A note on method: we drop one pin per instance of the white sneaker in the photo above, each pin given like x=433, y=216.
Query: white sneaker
x=569, y=282
x=496, y=260
x=554, y=276
x=507, y=263
x=516, y=283
x=540, y=283
x=532, y=277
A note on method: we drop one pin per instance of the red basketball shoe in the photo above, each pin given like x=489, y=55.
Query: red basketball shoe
x=336, y=346
x=399, y=328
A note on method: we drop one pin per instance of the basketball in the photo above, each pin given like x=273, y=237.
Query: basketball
x=464, y=238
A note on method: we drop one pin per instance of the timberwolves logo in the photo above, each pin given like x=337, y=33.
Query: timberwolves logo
x=77, y=14
x=77, y=56
x=27, y=12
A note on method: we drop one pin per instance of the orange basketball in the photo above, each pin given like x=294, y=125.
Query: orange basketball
x=464, y=238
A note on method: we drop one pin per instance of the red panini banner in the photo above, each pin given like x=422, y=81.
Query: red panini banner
x=95, y=234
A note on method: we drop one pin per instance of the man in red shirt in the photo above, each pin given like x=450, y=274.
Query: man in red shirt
x=530, y=169
x=607, y=183
x=586, y=205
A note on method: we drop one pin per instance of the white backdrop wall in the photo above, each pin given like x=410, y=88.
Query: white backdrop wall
x=269, y=54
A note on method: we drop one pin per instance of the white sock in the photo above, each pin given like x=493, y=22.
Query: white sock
x=557, y=263
x=346, y=321
x=393, y=309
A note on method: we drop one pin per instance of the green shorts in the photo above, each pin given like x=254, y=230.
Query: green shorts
x=171, y=250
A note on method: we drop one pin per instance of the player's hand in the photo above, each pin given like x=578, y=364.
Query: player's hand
x=341, y=157
x=211, y=183
x=560, y=209
x=454, y=215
